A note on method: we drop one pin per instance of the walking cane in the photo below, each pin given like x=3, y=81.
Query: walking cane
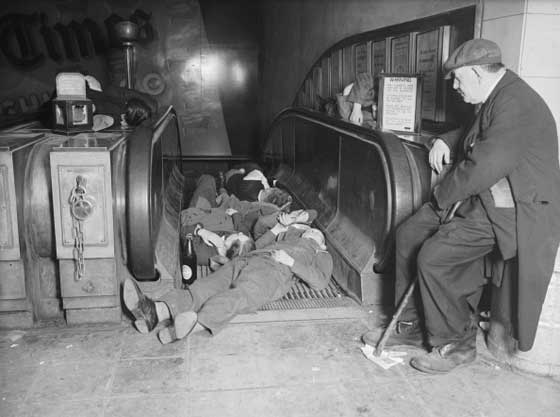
x=404, y=301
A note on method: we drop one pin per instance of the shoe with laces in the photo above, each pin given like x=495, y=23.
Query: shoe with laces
x=444, y=358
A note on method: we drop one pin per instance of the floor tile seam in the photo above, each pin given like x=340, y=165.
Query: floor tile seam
x=309, y=384
x=110, y=381
x=26, y=408
x=419, y=399
x=66, y=399
x=149, y=358
x=18, y=367
x=140, y=395
x=352, y=355
x=69, y=397
x=64, y=331
x=95, y=361
x=188, y=362
x=289, y=386
x=31, y=389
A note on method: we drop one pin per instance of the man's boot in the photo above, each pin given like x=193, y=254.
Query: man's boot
x=141, y=307
x=446, y=357
x=406, y=333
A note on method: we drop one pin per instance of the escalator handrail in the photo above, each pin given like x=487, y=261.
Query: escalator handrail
x=396, y=167
x=143, y=227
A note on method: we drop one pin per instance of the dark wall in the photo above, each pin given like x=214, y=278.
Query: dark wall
x=174, y=65
x=234, y=32
x=297, y=32
x=228, y=67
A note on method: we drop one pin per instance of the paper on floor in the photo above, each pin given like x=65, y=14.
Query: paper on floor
x=387, y=358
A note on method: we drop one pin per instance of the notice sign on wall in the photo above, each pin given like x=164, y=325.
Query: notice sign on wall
x=361, y=58
x=400, y=102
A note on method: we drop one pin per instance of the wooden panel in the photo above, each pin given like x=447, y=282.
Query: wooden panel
x=325, y=66
x=9, y=238
x=94, y=315
x=99, y=278
x=317, y=86
x=336, y=72
x=98, y=227
x=348, y=74
x=12, y=281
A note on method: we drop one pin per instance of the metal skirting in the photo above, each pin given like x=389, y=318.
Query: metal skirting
x=301, y=296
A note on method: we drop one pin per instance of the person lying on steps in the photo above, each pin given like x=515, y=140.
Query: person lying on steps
x=243, y=285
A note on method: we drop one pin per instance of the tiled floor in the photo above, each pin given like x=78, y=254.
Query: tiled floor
x=297, y=368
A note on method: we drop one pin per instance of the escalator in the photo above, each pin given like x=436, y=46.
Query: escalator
x=363, y=183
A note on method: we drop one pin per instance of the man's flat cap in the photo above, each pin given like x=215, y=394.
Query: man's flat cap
x=473, y=52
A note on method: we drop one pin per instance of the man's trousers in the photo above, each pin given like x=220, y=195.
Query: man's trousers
x=449, y=262
x=242, y=285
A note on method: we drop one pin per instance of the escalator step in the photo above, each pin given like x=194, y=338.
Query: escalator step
x=301, y=296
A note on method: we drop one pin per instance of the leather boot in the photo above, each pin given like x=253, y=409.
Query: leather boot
x=142, y=308
x=446, y=357
x=406, y=333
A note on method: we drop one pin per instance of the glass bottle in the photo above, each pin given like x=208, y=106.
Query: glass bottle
x=188, y=261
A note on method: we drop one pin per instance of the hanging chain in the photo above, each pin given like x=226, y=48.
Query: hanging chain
x=78, y=251
x=81, y=207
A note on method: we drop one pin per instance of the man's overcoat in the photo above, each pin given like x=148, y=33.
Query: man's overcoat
x=514, y=136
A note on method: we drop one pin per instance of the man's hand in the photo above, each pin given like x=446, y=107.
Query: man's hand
x=439, y=155
x=278, y=228
x=286, y=219
x=282, y=257
x=211, y=238
x=357, y=117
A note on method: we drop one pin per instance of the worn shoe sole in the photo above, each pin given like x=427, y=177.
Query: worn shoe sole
x=131, y=298
x=183, y=324
x=420, y=364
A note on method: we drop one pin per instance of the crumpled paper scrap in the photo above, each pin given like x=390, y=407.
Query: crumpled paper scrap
x=14, y=335
x=386, y=360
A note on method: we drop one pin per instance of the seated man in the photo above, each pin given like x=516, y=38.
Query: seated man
x=505, y=182
x=241, y=286
x=357, y=103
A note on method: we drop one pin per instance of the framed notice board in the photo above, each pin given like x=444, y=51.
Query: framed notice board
x=432, y=49
x=400, y=54
x=361, y=58
x=400, y=102
x=379, y=57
